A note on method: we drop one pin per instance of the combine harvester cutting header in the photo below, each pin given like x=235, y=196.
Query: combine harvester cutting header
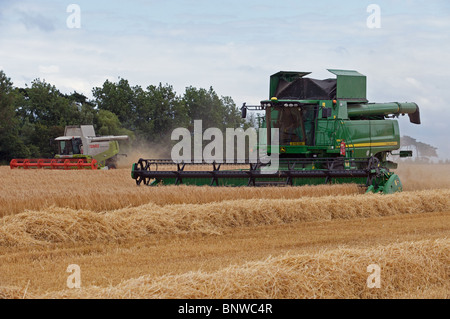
x=79, y=148
x=328, y=133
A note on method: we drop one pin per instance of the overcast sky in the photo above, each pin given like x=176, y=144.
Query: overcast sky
x=234, y=46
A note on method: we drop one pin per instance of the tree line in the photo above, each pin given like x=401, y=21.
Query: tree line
x=32, y=116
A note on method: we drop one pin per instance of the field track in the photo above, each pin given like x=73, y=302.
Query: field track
x=201, y=242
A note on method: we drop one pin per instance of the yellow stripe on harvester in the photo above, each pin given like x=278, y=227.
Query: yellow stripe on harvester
x=373, y=144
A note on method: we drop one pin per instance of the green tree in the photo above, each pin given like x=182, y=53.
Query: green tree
x=163, y=110
x=152, y=113
x=43, y=113
x=118, y=98
x=233, y=116
x=214, y=111
x=86, y=112
x=108, y=124
x=10, y=143
x=204, y=105
x=43, y=103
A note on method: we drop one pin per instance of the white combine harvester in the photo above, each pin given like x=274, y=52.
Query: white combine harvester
x=79, y=148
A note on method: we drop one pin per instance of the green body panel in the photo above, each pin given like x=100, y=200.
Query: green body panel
x=389, y=183
x=351, y=85
x=112, y=151
x=392, y=185
x=363, y=138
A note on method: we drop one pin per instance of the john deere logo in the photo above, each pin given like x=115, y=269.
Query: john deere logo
x=283, y=149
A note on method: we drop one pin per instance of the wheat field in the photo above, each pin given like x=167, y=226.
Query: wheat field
x=221, y=242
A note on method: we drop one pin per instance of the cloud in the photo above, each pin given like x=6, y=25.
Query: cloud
x=50, y=69
x=37, y=21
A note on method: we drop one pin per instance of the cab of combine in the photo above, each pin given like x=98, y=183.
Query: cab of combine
x=71, y=143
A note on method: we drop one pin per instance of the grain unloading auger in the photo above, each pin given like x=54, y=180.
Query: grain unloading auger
x=328, y=133
x=79, y=148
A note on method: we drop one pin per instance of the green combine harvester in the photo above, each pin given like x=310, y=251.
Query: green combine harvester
x=328, y=133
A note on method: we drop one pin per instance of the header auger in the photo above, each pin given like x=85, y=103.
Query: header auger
x=79, y=148
x=328, y=133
